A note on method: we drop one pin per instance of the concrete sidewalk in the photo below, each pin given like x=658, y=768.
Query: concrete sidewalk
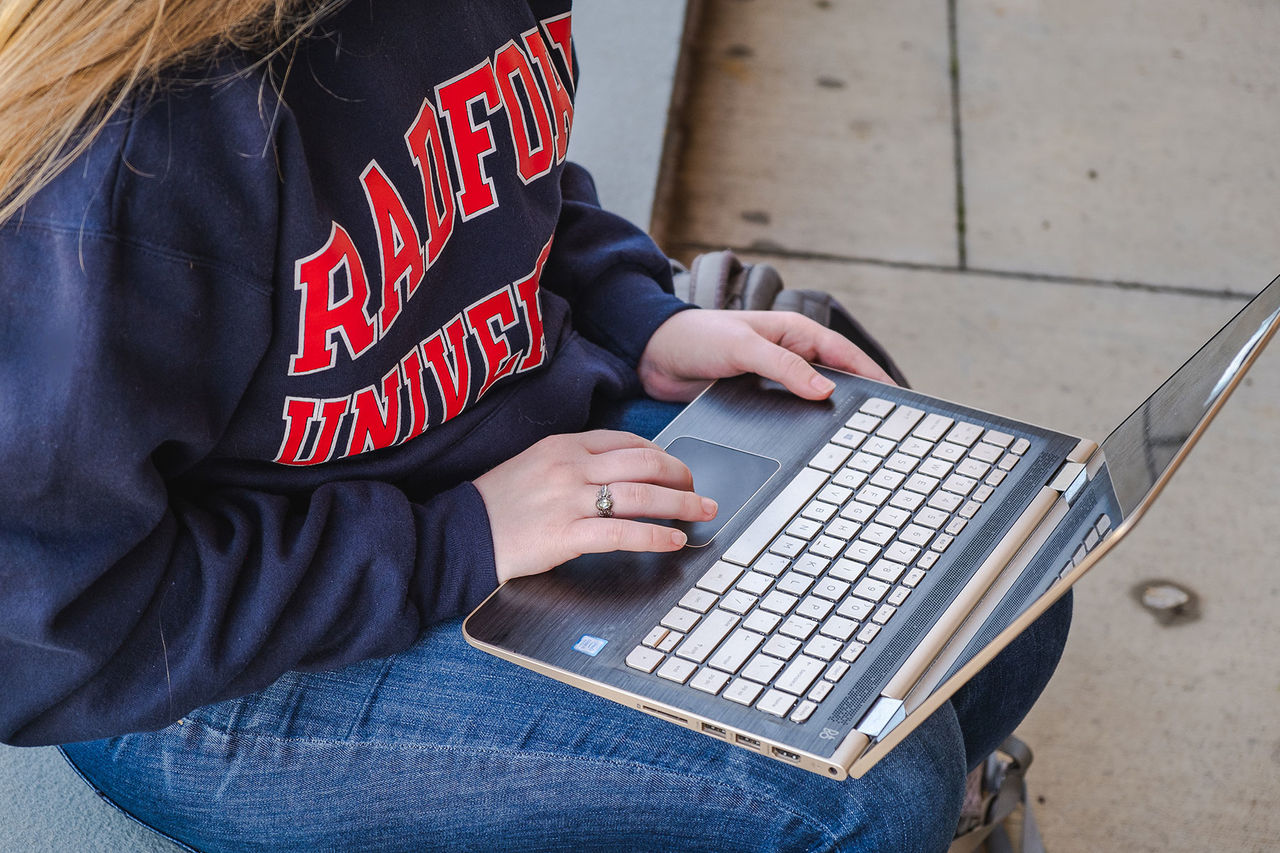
x=1043, y=209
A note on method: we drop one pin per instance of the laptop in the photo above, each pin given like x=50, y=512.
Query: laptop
x=872, y=552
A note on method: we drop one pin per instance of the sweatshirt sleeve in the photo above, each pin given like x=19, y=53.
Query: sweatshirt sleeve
x=129, y=596
x=614, y=276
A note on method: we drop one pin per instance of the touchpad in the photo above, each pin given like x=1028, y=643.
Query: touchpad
x=728, y=476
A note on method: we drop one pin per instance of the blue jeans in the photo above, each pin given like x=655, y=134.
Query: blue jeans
x=442, y=747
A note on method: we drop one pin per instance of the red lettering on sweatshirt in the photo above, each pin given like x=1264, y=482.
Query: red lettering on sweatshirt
x=450, y=365
x=561, y=100
x=520, y=94
x=376, y=421
x=427, y=150
x=400, y=252
x=324, y=316
x=471, y=142
x=489, y=320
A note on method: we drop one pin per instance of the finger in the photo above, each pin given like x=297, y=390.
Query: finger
x=604, y=440
x=644, y=500
x=811, y=341
x=602, y=535
x=773, y=361
x=638, y=465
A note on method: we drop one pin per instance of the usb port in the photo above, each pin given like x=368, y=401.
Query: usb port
x=715, y=730
x=747, y=741
x=786, y=754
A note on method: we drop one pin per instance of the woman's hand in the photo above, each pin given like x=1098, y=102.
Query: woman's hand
x=694, y=347
x=542, y=502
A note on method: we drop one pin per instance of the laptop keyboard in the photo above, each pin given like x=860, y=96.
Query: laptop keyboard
x=809, y=585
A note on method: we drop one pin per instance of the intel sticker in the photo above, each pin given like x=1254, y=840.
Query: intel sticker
x=589, y=645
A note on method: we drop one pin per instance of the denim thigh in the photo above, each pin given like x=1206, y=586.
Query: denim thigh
x=443, y=747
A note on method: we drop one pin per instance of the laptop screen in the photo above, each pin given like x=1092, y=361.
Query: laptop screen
x=1142, y=448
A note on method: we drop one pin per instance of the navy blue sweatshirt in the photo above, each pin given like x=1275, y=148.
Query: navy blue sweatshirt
x=254, y=347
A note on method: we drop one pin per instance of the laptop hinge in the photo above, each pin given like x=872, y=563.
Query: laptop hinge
x=882, y=717
x=1069, y=481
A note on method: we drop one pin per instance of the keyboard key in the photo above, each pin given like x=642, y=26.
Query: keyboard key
x=823, y=647
x=676, y=670
x=959, y=484
x=779, y=602
x=916, y=447
x=735, y=651
x=850, y=478
x=887, y=571
x=755, y=583
x=876, y=406
x=798, y=627
x=1020, y=446
x=945, y=501
x=870, y=589
x=913, y=578
x=781, y=647
x=820, y=691
x=884, y=614
x=813, y=607
x=771, y=564
x=868, y=632
x=941, y=543
x=892, y=516
x=859, y=512
x=984, y=452
x=644, y=659
x=819, y=511
x=902, y=463
x=934, y=467
x=843, y=529
x=827, y=546
x=898, y=596
x=655, y=636
x=922, y=483
x=863, y=461
x=851, y=652
x=830, y=458
x=709, y=681
x=738, y=601
x=795, y=583
x=948, y=452
x=720, y=577
x=836, y=671
x=742, y=691
x=787, y=546
x=1009, y=460
x=932, y=518
x=881, y=447
x=969, y=510
x=831, y=589
x=762, y=668
x=927, y=559
x=800, y=675
x=863, y=423
x=983, y=492
x=804, y=711
x=835, y=494
x=916, y=534
x=811, y=564
x=703, y=640
x=699, y=600
x=849, y=438
x=862, y=551
x=901, y=552
x=847, y=570
x=776, y=702
x=886, y=479
x=999, y=439
x=855, y=609
x=908, y=500
x=804, y=528
x=761, y=621
x=933, y=427
x=679, y=619
x=901, y=422
x=670, y=641
x=965, y=433
x=973, y=468
x=876, y=533
x=838, y=627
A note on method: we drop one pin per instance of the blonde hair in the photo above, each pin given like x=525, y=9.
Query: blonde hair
x=67, y=66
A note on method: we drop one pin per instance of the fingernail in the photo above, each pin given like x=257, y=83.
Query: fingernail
x=709, y=506
x=678, y=538
x=822, y=384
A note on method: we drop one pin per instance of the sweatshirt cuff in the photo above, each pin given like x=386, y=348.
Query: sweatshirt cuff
x=623, y=309
x=455, y=569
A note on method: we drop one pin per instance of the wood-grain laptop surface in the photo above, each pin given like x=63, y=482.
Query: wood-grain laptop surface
x=618, y=598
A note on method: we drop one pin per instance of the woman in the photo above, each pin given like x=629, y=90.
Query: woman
x=305, y=314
